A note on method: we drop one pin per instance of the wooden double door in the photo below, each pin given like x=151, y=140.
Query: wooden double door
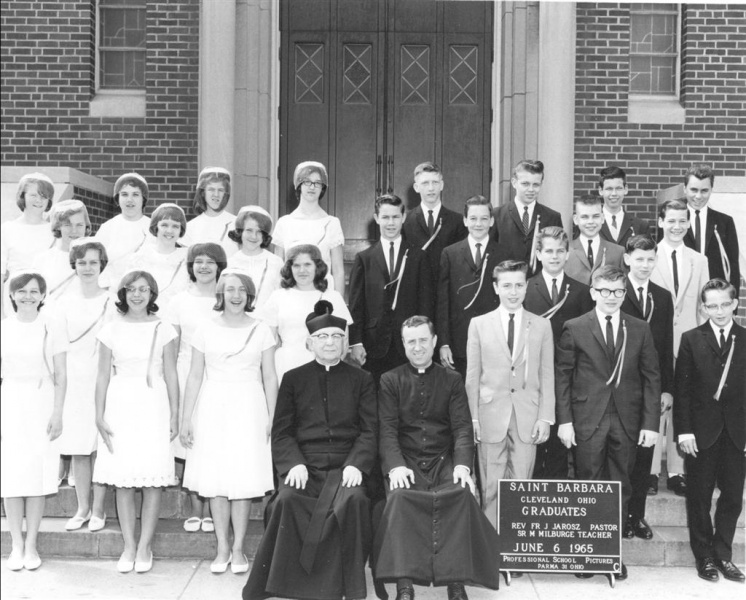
x=371, y=88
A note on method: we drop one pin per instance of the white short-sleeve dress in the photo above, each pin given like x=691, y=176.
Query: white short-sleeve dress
x=287, y=310
x=204, y=228
x=169, y=270
x=231, y=455
x=137, y=408
x=121, y=238
x=29, y=461
x=264, y=270
x=54, y=265
x=81, y=319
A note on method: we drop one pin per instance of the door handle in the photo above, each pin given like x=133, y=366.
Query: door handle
x=390, y=175
x=379, y=178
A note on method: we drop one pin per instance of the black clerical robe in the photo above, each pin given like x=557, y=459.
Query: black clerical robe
x=433, y=532
x=317, y=540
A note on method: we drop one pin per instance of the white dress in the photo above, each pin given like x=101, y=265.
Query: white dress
x=81, y=319
x=169, y=270
x=28, y=460
x=138, y=414
x=264, y=270
x=121, y=238
x=231, y=455
x=287, y=310
x=325, y=233
x=54, y=265
x=204, y=228
x=187, y=311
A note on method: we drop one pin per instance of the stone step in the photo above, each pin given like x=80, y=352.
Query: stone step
x=666, y=509
x=668, y=548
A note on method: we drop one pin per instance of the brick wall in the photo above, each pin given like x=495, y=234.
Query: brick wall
x=713, y=88
x=47, y=52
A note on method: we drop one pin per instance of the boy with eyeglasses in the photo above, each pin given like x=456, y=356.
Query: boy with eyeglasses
x=710, y=420
x=589, y=250
x=619, y=225
x=607, y=386
x=683, y=272
x=518, y=221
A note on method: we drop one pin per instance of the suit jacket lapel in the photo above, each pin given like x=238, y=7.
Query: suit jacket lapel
x=598, y=334
x=709, y=229
x=711, y=340
x=686, y=273
x=380, y=261
x=517, y=219
x=632, y=295
x=501, y=335
x=577, y=247
x=467, y=257
x=541, y=288
x=665, y=271
x=626, y=224
x=520, y=340
x=606, y=231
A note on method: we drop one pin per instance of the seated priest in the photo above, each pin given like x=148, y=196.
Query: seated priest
x=432, y=529
x=318, y=532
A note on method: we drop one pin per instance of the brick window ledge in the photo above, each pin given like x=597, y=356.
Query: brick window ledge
x=654, y=109
x=118, y=103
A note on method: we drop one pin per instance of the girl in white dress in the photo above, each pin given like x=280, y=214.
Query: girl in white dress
x=136, y=412
x=228, y=415
x=303, y=285
x=310, y=223
x=165, y=260
x=81, y=315
x=23, y=238
x=68, y=221
x=34, y=380
x=205, y=263
x=212, y=222
x=253, y=234
x=129, y=231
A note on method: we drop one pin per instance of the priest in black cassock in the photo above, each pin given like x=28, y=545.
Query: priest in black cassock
x=318, y=531
x=432, y=529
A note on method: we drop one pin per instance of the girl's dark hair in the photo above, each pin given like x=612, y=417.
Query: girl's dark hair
x=79, y=250
x=21, y=281
x=128, y=280
x=319, y=278
x=211, y=250
x=264, y=222
x=199, y=203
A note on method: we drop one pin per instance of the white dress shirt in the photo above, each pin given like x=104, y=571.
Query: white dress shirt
x=608, y=218
x=504, y=315
x=615, y=320
x=595, y=244
x=520, y=205
x=640, y=284
x=473, y=246
x=702, y=223
x=548, y=280
x=385, y=245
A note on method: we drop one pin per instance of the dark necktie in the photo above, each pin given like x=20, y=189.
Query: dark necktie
x=430, y=222
x=511, y=332
x=722, y=340
x=613, y=221
x=478, y=258
x=641, y=299
x=697, y=232
x=555, y=294
x=675, y=268
x=590, y=253
x=609, y=336
x=392, y=264
x=525, y=219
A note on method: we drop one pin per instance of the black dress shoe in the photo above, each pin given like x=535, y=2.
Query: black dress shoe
x=707, y=570
x=406, y=593
x=729, y=570
x=623, y=575
x=629, y=529
x=677, y=484
x=642, y=529
x=653, y=485
x=456, y=591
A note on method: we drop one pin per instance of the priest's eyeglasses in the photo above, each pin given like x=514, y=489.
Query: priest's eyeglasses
x=606, y=292
x=324, y=337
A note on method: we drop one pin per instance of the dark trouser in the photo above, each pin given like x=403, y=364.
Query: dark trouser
x=723, y=464
x=639, y=481
x=551, y=458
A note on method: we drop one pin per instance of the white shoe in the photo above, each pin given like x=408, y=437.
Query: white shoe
x=143, y=566
x=124, y=565
x=96, y=523
x=31, y=563
x=217, y=567
x=192, y=524
x=238, y=569
x=76, y=523
x=15, y=561
x=207, y=525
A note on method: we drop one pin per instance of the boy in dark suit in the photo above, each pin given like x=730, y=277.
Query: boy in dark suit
x=431, y=226
x=652, y=303
x=589, y=251
x=710, y=421
x=516, y=222
x=557, y=297
x=607, y=386
x=389, y=282
x=465, y=286
x=618, y=225
x=711, y=232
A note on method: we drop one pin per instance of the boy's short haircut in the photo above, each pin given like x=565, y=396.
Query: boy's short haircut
x=589, y=200
x=477, y=200
x=535, y=167
x=427, y=167
x=672, y=205
x=416, y=321
x=391, y=200
x=640, y=242
x=510, y=266
x=700, y=171
x=612, y=172
x=719, y=285
x=555, y=233
x=607, y=273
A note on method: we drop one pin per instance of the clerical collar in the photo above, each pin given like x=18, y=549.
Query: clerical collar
x=421, y=370
x=327, y=367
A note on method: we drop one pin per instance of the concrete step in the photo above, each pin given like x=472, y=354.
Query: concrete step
x=666, y=509
x=668, y=548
